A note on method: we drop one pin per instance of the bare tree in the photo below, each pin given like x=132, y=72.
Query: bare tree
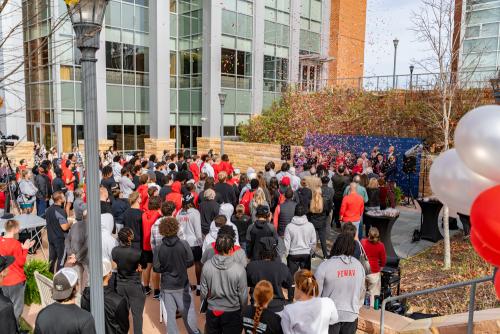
x=437, y=23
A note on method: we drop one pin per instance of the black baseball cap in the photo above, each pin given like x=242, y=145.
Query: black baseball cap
x=262, y=210
x=188, y=199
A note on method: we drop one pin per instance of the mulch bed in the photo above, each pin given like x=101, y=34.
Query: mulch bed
x=425, y=271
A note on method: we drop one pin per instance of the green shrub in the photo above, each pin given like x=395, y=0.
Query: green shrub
x=31, y=294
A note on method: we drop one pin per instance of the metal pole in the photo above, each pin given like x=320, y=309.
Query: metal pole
x=472, y=305
x=88, y=43
x=394, y=68
x=221, y=129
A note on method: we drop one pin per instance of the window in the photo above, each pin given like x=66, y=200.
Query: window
x=113, y=55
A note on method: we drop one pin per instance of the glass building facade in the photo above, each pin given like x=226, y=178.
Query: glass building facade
x=256, y=66
x=481, y=42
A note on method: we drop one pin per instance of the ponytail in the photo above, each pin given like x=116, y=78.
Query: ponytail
x=306, y=282
x=262, y=294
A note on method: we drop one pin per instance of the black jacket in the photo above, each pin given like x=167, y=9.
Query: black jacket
x=115, y=310
x=373, y=197
x=225, y=194
x=339, y=183
x=319, y=219
x=305, y=197
x=257, y=231
x=276, y=273
x=118, y=208
x=133, y=218
x=287, y=212
x=171, y=260
x=208, y=211
x=42, y=183
x=160, y=178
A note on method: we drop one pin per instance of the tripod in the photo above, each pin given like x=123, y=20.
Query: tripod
x=410, y=199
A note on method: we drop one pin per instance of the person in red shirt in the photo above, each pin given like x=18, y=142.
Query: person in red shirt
x=143, y=191
x=375, y=251
x=13, y=284
x=225, y=165
x=69, y=181
x=194, y=168
x=352, y=207
x=149, y=217
x=175, y=195
x=358, y=169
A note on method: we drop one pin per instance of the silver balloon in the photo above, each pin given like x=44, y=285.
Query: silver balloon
x=477, y=141
x=454, y=183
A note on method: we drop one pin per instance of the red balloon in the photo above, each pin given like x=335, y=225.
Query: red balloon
x=490, y=255
x=485, y=217
x=497, y=284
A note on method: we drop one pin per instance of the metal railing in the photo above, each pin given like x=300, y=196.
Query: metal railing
x=422, y=81
x=472, y=299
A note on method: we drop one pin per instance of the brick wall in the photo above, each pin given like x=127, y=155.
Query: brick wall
x=244, y=155
x=22, y=150
x=347, y=40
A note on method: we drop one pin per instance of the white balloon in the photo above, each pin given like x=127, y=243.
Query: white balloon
x=454, y=183
x=477, y=141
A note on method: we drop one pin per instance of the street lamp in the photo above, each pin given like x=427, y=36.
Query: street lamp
x=396, y=42
x=86, y=18
x=222, y=100
x=411, y=76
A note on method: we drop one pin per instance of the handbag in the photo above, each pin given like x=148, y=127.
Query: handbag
x=363, y=258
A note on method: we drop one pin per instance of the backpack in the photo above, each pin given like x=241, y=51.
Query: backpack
x=246, y=199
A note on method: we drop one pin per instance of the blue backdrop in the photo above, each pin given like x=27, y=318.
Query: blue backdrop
x=360, y=144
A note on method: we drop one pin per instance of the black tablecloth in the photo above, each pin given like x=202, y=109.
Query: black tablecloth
x=430, y=220
x=384, y=225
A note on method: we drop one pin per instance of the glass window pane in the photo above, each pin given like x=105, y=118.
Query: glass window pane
x=129, y=137
x=228, y=61
x=245, y=7
x=244, y=45
x=230, y=105
x=244, y=101
x=196, y=22
x=142, y=133
x=141, y=21
x=128, y=57
x=305, y=8
x=115, y=134
x=245, y=26
x=67, y=95
x=270, y=14
x=128, y=14
x=142, y=59
x=283, y=5
x=228, y=42
x=283, y=18
x=128, y=98
x=142, y=99
x=316, y=10
x=113, y=14
x=229, y=5
x=228, y=22
x=113, y=55
x=184, y=100
x=173, y=25
x=269, y=32
x=114, y=97
x=490, y=30
x=489, y=15
x=196, y=101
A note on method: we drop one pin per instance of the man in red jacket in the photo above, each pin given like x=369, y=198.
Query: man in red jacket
x=13, y=283
x=352, y=207
x=176, y=195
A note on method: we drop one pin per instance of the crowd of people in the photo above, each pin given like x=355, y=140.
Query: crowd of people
x=249, y=236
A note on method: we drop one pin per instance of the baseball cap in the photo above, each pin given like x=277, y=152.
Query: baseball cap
x=106, y=267
x=285, y=181
x=64, y=282
x=262, y=210
x=187, y=199
x=5, y=261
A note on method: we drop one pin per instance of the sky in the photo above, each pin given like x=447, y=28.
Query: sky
x=385, y=20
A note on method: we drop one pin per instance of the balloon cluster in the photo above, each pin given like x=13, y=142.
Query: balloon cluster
x=467, y=180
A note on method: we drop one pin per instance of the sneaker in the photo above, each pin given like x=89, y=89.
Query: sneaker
x=156, y=294
x=147, y=290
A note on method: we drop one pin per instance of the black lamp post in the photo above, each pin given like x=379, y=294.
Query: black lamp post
x=411, y=76
x=87, y=17
x=395, y=42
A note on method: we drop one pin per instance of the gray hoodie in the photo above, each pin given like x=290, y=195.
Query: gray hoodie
x=226, y=280
x=300, y=237
x=342, y=279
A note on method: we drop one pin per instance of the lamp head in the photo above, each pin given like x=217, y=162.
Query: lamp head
x=86, y=11
x=396, y=42
x=412, y=68
x=222, y=98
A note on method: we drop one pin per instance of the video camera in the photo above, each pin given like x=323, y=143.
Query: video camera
x=7, y=141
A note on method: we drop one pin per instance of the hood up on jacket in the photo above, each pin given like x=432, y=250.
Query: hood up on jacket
x=108, y=241
x=170, y=241
x=302, y=220
x=107, y=223
x=214, y=230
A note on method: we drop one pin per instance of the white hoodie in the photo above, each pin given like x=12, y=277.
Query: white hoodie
x=300, y=237
x=212, y=235
x=108, y=241
x=311, y=316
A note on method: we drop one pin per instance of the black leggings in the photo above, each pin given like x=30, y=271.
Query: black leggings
x=294, y=263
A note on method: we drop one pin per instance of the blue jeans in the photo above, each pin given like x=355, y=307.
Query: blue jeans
x=41, y=206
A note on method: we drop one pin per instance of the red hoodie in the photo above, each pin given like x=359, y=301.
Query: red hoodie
x=226, y=167
x=175, y=196
x=143, y=191
x=195, y=170
x=149, y=217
